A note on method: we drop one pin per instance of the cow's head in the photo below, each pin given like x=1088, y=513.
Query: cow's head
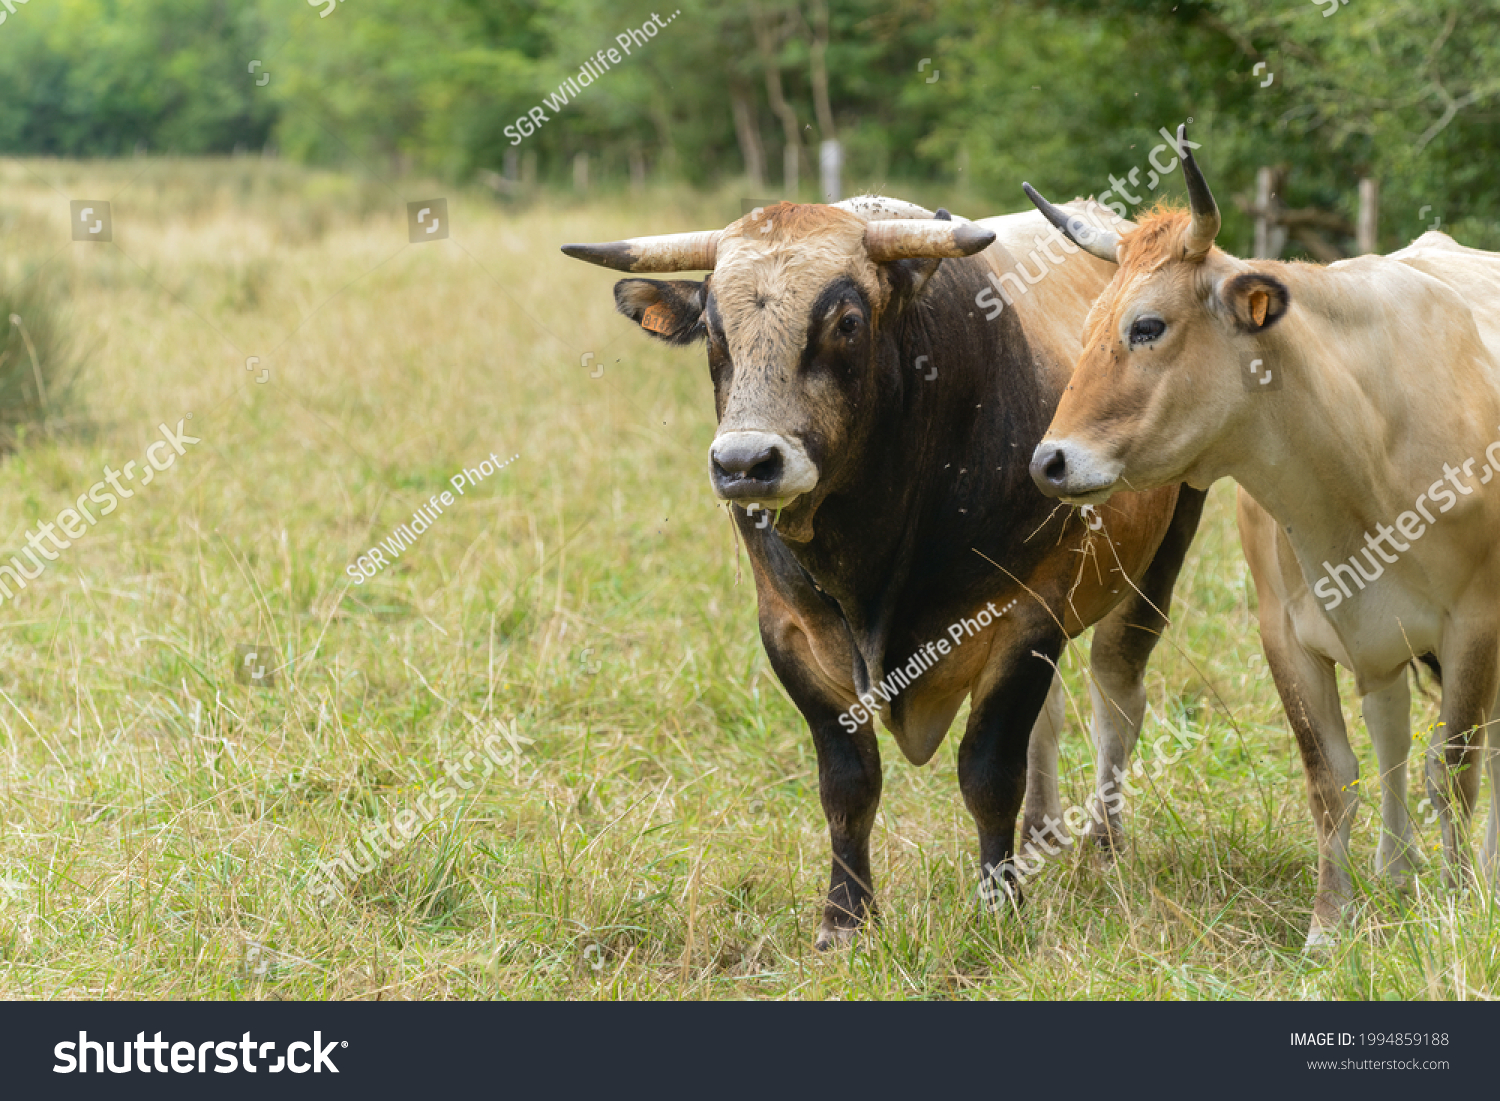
x=1159, y=381
x=792, y=312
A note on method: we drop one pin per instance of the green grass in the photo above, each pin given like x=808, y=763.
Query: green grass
x=660, y=835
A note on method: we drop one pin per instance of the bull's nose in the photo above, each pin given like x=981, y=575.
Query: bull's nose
x=1049, y=468
x=754, y=466
x=747, y=465
x=763, y=464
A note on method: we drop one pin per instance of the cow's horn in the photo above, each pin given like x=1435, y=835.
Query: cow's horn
x=664, y=252
x=910, y=239
x=1205, y=226
x=1093, y=240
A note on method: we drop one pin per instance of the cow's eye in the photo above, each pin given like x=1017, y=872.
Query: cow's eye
x=1146, y=329
x=849, y=323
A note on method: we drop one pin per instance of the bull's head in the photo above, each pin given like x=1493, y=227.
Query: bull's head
x=1154, y=397
x=791, y=313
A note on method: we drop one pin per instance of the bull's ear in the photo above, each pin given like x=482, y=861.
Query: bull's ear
x=909, y=277
x=1257, y=301
x=670, y=310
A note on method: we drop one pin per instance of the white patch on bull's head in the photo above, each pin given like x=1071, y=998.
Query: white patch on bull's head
x=768, y=278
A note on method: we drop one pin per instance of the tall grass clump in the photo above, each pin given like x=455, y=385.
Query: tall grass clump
x=38, y=359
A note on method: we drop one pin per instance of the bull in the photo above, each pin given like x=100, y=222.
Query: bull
x=881, y=404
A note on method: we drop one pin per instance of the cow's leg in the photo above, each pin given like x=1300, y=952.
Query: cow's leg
x=1122, y=645
x=1042, y=800
x=1489, y=857
x=1388, y=718
x=1308, y=686
x=1456, y=753
x=992, y=759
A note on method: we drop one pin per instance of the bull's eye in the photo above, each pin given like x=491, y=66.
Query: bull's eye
x=1146, y=329
x=849, y=323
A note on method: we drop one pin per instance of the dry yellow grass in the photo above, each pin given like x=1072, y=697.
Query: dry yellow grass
x=659, y=835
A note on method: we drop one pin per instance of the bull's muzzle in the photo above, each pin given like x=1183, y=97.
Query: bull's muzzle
x=760, y=467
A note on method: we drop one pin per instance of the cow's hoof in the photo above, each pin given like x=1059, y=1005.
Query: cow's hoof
x=1107, y=842
x=1026, y=840
x=833, y=937
x=1399, y=867
x=1320, y=939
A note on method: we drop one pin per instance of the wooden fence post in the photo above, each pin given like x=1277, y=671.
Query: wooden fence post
x=1368, y=236
x=831, y=162
x=1270, y=234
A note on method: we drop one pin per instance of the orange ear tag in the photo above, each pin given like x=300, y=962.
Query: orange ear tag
x=1259, y=301
x=658, y=318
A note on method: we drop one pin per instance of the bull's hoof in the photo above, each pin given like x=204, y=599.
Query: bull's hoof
x=1109, y=843
x=833, y=937
x=1000, y=893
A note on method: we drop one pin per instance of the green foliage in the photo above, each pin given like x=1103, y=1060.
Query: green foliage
x=1065, y=94
x=99, y=77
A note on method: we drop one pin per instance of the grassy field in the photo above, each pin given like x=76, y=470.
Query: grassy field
x=658, y=833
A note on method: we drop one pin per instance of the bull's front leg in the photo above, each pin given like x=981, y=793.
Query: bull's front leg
x=992, y=758
x=849, y=781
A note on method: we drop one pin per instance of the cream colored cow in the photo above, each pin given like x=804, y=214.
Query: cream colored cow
x=1374, y=459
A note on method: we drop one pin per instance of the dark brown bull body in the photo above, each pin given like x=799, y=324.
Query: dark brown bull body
x=865, y=398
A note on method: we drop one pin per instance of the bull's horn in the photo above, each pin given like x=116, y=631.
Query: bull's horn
x=1093, y=240
x=664, y=252
x=907, y=239
x=1205, y=226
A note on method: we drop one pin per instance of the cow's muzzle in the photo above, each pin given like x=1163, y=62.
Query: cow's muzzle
x=1063, y=469
x=761, y=468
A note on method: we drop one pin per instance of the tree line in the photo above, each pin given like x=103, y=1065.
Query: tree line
x=953, y=97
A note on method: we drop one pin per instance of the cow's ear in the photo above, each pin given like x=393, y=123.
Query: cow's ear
x=1257, y=301
x=670, y=310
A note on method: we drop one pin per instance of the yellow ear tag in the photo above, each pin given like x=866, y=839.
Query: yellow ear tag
x=1259, y=302
x=658, y=318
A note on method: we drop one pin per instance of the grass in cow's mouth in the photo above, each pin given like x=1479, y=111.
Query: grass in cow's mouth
x=661, y=834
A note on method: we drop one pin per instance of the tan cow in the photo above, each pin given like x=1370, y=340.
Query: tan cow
x=1375, y=452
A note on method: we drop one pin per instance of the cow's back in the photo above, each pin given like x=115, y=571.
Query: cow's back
x=1472, y=273
x=1052, y=308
